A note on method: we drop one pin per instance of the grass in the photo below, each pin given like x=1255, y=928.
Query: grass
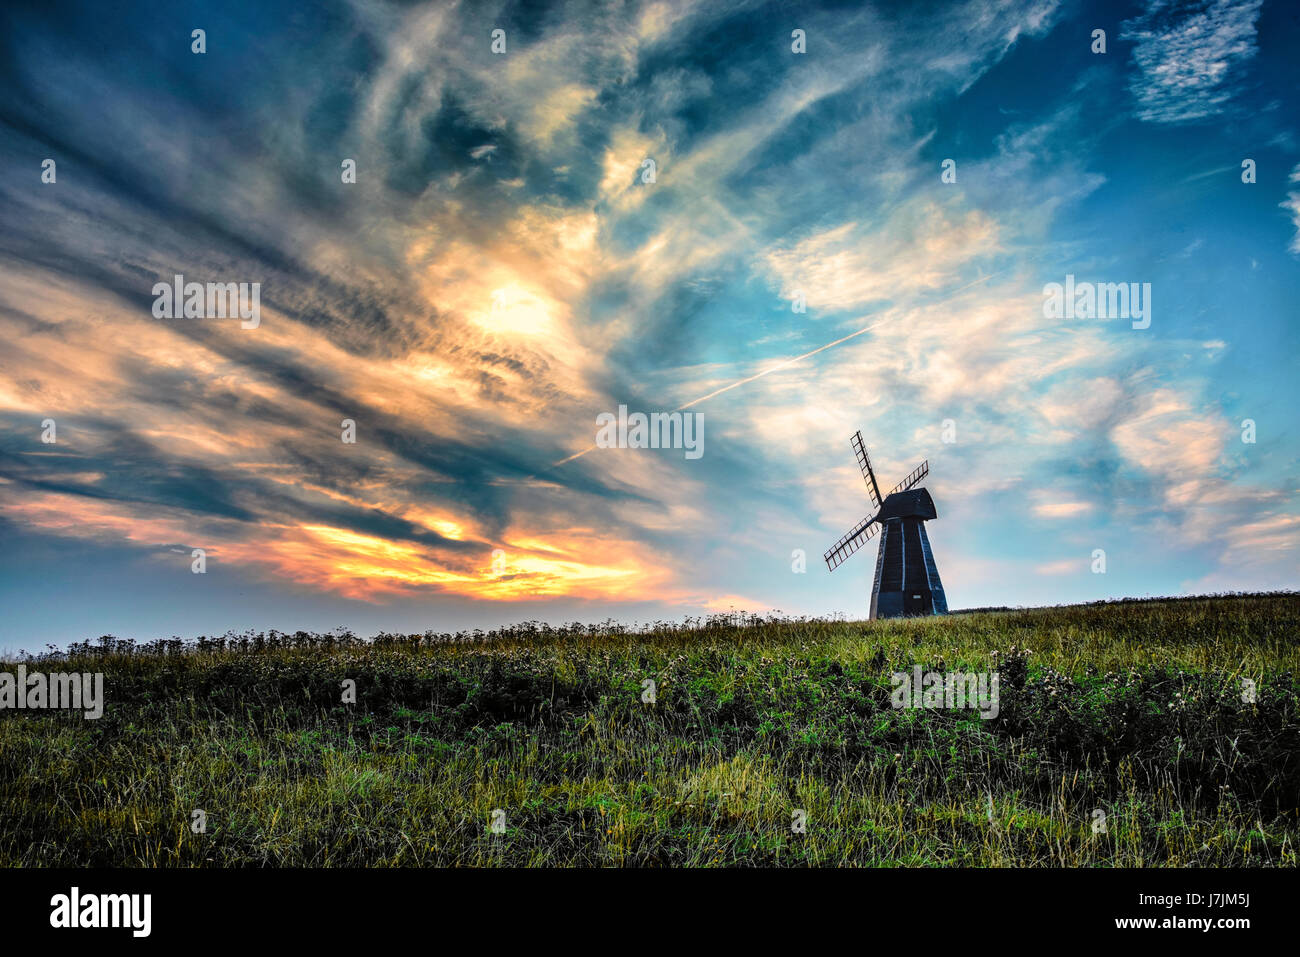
x=1133, y=710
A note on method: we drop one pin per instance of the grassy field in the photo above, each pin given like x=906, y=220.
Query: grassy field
x=1134, y=710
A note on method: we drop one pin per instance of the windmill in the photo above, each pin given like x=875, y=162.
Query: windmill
x=907, y=581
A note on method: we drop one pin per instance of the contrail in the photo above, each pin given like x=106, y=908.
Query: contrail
x=785, y=363
x=779, y=366
x=739, y=382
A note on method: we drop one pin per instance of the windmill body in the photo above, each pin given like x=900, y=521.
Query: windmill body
x=907, y=580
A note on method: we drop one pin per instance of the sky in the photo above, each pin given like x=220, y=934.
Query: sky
x=504, y=269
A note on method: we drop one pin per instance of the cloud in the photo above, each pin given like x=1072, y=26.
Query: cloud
x=922, y=247
x=1062, y=509
x=1183, y=452
x=726, y=604
x=1190, y=57
x=1166, y=437
x=1292, y=205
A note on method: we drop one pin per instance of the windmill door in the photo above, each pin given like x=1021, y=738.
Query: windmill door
x=916, y=602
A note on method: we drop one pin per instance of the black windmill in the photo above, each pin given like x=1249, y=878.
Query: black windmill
x=907, y=580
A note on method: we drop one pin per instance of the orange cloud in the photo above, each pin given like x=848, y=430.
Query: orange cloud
x=1062, y=509
x=575, y=563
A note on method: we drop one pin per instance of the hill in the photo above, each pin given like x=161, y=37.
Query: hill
x=1151, y=733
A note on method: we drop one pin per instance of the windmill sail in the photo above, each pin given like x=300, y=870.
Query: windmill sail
x=918, y=473
x=851, y=542
x=864, y=463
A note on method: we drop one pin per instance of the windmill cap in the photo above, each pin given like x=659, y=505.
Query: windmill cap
x=914, y=503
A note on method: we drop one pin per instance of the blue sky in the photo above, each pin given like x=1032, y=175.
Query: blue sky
x=501, y=273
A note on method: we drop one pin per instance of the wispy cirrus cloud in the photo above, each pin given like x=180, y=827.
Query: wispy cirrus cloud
x=1190, y=57
x=1292, y=205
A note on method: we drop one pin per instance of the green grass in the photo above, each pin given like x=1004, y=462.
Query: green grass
x=1133, y=709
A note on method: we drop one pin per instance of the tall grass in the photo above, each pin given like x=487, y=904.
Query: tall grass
x=1132, y=710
